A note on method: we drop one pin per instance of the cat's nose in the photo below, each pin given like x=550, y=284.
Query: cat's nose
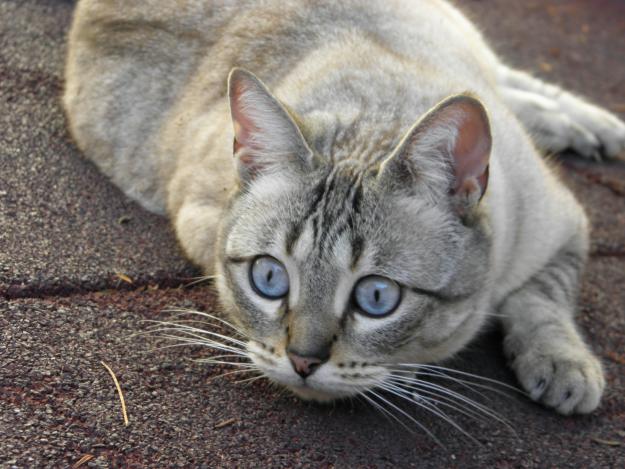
x=304, y=366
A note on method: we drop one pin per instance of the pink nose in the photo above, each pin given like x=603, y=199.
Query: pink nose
x=304, y=366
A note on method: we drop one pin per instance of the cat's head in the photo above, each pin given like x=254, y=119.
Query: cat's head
x=339, y=270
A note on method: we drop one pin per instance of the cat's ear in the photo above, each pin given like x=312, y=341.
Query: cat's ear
x=266, y=138
x=446, y=153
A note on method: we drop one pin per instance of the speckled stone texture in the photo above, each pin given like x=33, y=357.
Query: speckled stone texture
x=64, y=227
x=65, y=234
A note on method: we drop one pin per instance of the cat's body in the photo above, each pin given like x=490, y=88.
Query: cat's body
x=146, y=100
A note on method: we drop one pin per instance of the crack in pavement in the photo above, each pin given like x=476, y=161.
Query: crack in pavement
x=16, y=291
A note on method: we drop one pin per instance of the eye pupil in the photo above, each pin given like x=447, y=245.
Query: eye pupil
x=376, y=295
x=269, y=276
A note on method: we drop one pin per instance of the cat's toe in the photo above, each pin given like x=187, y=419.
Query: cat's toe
x=567, y=388
x=608, y=129
x=584, y=142
x=556, y=131
x=569, y=382
x=613, y=141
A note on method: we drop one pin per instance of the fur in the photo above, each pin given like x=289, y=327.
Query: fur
x=350, y=159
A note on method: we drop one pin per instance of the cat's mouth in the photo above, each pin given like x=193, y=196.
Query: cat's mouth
x=309, y=393
x=326, y=384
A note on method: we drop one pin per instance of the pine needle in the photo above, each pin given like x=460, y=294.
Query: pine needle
x=119, y=391
x=81, y=461
x=124, y=277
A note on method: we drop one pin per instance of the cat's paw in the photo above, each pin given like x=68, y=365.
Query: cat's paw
x=566, y=377
x=567, y=122
x=604, y=133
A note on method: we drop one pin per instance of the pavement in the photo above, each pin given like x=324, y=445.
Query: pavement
x=81, y=268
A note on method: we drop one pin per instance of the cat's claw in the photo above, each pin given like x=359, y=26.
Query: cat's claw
x=568, y=379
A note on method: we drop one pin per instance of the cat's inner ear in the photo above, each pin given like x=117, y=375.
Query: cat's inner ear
x=266, y=138
x=448, y=148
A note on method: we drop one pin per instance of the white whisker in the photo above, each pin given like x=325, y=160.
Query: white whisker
x=249, y=380
x=385, y=412
x=192, y=331
x=446, y=402
x=208, y=361
x=451, y=370
x=407, y=395
x=199, y=341
x=405, y=414
x=182, y=312
x=466, y=384
x=184, y=344
x=232, y=355
x=416, y=385
x=203, y=322
x=202, y=343
x=229, y=373
x=201, y=279
x=462, y=382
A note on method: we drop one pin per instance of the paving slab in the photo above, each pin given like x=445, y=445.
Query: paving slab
x=59, y=403
x=63, y=227
x=65, y=232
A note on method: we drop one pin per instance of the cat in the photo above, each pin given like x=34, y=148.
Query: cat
x=362, y=177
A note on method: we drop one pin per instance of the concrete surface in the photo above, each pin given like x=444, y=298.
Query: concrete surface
x=64, y=227
x=65, y=232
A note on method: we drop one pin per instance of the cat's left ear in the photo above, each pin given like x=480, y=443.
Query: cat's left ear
x=445, y=154
x=266, y=138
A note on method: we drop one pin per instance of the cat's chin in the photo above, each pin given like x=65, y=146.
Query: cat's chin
x=307, y=393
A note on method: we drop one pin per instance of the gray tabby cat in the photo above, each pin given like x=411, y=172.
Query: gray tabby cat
x=346, y=238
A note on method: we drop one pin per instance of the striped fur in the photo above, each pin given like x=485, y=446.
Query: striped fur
x=346, y=165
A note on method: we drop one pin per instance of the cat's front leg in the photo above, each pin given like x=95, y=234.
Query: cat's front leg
x=196, y=230
x=197, y=194
x=550, y=358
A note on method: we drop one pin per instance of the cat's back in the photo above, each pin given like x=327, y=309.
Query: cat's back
x=126, y=63
x=131, y=64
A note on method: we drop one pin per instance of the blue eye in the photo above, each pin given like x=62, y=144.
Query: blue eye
x=377, y=296
x=269, y=278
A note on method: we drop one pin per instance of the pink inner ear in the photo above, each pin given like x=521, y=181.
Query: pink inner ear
x=471, y=151
x=244, y=145
x=244, y=127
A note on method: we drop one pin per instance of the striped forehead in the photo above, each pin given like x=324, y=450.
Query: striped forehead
x=327, y=230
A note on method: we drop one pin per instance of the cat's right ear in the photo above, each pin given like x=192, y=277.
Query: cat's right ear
x=444, y=155
x=266, y=138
